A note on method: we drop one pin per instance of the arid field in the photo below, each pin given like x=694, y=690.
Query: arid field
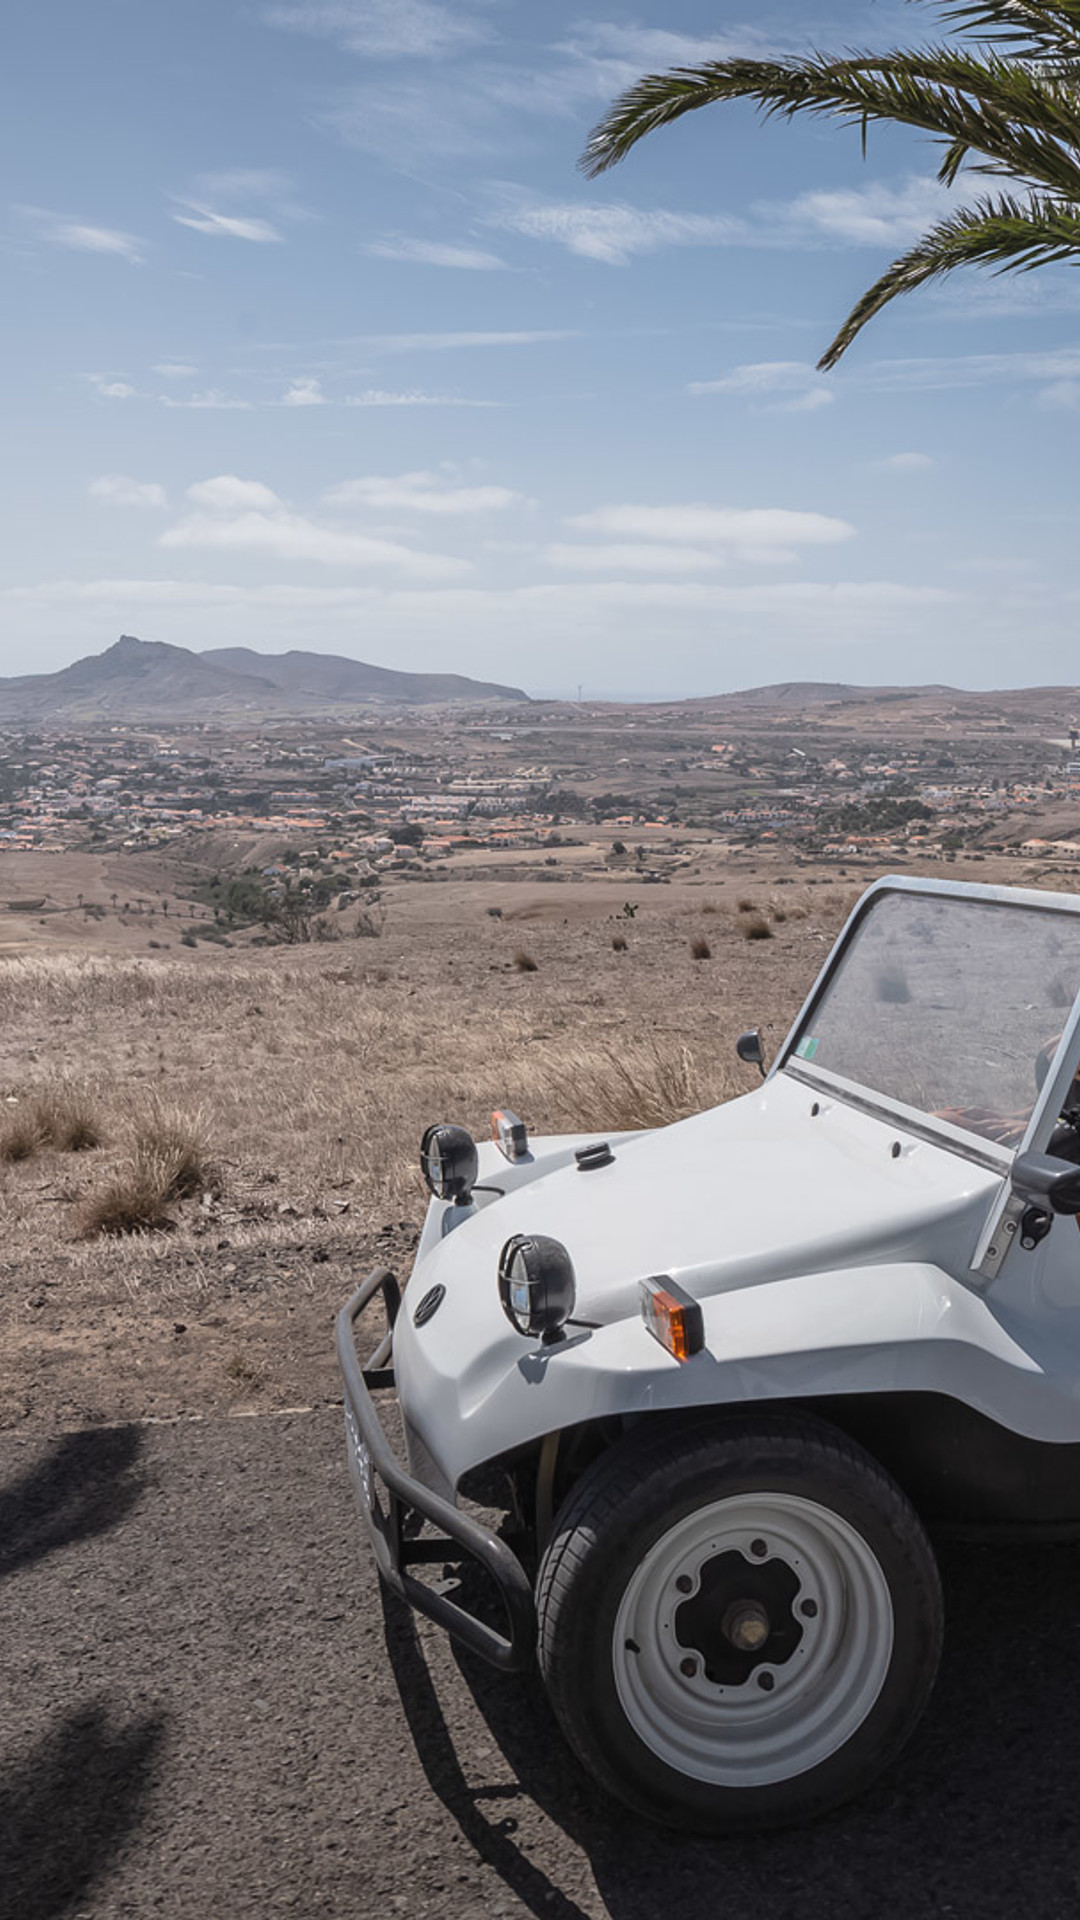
x=200, y=1153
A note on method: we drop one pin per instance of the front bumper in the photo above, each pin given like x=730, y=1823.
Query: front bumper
x=388, y=1495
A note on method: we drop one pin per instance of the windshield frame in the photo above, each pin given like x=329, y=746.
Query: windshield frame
x=927, y=1126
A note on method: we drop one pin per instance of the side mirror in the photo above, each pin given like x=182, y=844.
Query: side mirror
x=749, y=1048
x=1043, y=1181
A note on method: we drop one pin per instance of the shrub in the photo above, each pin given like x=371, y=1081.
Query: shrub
x=755, y=927
x=746, y=906
x=619, y=943
x=700, y=948
x=524, y=962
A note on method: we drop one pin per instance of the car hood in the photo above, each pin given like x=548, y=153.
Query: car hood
x=777, y=1183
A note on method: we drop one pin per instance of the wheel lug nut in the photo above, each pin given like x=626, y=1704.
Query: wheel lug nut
x=766, y=1681
x=809, y=1609
x=759, y=1549
x=684, y=1583
x=688, y=1667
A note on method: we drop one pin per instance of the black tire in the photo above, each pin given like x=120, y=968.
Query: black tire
x=636, y=1496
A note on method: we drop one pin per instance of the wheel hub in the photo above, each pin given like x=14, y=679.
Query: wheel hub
x=741, y=1617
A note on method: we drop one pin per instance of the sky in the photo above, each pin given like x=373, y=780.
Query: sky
x=315, y=336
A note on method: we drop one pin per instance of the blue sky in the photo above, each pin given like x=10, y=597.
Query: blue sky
x=315, y=337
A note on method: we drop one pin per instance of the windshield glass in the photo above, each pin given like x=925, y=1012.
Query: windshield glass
x=952, y=1006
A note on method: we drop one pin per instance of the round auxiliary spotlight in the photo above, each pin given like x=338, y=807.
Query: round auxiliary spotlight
x=536, y=1285
x=449, y=1161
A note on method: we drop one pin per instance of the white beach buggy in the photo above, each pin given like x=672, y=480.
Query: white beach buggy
x=733, y=1369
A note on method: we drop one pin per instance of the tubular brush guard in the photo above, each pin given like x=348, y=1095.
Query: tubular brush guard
x=387, y=1494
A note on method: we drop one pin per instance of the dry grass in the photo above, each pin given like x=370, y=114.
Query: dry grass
x=618, y=943
x=315, y=1080
x=642, y=1084
x=167, y=1160
x=60, y=1116
x=524, y=962
x=754, y=926
x=700, y=948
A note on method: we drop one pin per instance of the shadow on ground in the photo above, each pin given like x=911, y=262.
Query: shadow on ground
x=67, y=1809
x=982, y=1816
x=86, y=1484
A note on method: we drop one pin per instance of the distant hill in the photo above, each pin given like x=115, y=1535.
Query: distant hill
x=150, y=680
x=332, y=677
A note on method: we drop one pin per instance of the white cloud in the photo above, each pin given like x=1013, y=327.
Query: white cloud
x=763, y=533
x=799, y=387
x=212, y=401
x=175, y=370
x=304, y=392
x=227, y=493
x=380, y=397
x=654, y=49
x=111, y=389
x=243, y=516
x=420, y=493
x=231, y=226
x=120, y=490
x=385, y=29
x=614, y=233
x=81, y=237
x=85, y=239
x=877, y=215
x=633, y=559
x=905, y=462
x=434, y=253
x=450, y=342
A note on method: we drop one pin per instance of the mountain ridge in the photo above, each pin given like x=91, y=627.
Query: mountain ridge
x=153, y=680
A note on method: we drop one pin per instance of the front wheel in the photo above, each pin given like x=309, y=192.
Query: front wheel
x=740, y=1623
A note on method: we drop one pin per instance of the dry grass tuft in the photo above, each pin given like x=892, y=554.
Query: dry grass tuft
x=618, y=943
x=59, y=1116
x=754, y=926
x=168, y=1160
x=20, y=1138
x=700, y=948
x=177, y=1142
x=132, y=1201
x=648, y=1083
x=524, y=962
x=746, y=905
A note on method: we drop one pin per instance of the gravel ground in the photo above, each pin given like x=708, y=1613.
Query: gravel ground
x=208, y=1712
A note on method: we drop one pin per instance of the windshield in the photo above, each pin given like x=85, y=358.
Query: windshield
x=951, y=1006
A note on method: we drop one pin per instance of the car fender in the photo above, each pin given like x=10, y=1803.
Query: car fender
x=879, y=1329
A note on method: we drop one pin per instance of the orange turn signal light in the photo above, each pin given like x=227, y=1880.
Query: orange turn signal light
x=672, y=1316
x=509, y=1134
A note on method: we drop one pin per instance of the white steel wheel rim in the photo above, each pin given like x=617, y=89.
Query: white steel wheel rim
x=743, y=1735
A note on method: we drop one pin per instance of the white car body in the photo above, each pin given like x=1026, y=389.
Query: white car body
x=841, y=1244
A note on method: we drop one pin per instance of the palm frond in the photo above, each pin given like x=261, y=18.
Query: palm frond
x=1044, y=30
x=1025, y=122
x=1013, y=235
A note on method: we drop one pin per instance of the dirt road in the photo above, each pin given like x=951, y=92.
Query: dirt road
x=207, y=1713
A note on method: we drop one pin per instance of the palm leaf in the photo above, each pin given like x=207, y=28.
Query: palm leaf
x=1027, y=124
x=1013, y=235
x=1046, y=30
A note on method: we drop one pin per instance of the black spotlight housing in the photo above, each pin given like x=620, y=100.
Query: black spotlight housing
x=450, y=1163
x=537, y=1286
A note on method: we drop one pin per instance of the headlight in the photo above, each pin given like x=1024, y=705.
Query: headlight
x=536, y=1285
x=450, y=1163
